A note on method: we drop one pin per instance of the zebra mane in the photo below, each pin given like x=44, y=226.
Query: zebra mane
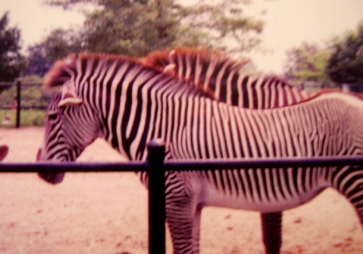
x=205, y=57
x=60, y=72
x=329, y=91
x=64, y=69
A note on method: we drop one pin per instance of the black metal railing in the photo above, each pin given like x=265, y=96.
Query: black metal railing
x=18, y=99
x=157, y=168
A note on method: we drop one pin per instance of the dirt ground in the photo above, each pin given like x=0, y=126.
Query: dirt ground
x=107, y=213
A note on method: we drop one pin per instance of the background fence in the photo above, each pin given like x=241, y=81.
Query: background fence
x=14, y=100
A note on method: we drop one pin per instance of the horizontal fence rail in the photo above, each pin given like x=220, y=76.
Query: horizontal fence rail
x=25, y=107
x=22, y=83
x=195, y=165
x=157, y=167
x=73, y=167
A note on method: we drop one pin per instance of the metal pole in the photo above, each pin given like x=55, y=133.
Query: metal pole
x=156, y=155
x=18, y=103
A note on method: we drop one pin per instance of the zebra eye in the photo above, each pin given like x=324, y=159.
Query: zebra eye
x=52, y=115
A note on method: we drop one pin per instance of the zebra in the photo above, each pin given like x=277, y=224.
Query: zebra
x=129, y=104
x=225, y=78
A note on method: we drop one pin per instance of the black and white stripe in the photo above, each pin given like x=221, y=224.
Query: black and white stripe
x=130, y=104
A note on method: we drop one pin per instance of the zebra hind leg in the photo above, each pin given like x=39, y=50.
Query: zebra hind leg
x=348, y=181
x=271, y=232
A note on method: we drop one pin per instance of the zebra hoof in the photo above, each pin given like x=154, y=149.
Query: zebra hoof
x=52, y=178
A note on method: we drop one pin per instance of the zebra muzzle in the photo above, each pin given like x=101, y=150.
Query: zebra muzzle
x=53, y=178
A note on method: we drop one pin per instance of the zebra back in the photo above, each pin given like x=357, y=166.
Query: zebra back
x=224, y=77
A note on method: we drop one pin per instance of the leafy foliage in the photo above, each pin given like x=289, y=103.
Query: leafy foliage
x=307, y=63
x=32, y=93
x=346, y=63
x=27, y=118
x=137, y=27
x=11, y=61
x=59, y=43
x=223, y=25
x=38, y=62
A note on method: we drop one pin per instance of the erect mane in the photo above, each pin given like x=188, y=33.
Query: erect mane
x=60, y=71
x=329, y=91
x=161, y=59
x=63, y=69
x=224, y=77
x=200, y=61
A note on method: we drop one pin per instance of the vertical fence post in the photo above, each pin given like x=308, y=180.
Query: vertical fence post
x=18, y=103
x=156, y=155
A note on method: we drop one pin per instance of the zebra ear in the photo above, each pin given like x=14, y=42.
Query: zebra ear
x=69, y=96
x=169, y=69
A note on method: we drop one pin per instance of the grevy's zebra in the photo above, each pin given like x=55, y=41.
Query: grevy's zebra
x=128, y=104
x=225, y=78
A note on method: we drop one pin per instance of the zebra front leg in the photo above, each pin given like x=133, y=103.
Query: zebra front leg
x=183, y=213
x=271, y=232
x=184, y=226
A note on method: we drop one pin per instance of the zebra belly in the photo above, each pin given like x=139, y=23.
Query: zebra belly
x=214, y=197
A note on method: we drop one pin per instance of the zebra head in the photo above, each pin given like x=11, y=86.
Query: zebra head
x=70, y=128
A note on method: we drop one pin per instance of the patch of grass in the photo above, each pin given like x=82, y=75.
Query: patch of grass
x=27, y=118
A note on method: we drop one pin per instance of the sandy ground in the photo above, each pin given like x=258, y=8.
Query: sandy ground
x=107, y=213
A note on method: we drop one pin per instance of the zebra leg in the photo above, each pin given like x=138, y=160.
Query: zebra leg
x=348, y=181
x=271, y=232
x=196, y=229
x=183, y=214
x=184, y=226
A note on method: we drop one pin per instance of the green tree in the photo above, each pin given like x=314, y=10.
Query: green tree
x=11, y=60
x=136, y=27
x=346, y=63
x=307, y=62
x=58, y=44
x=38, y=63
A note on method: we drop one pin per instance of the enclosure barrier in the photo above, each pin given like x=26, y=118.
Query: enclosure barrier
x=19, y=85
x=157, y=167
